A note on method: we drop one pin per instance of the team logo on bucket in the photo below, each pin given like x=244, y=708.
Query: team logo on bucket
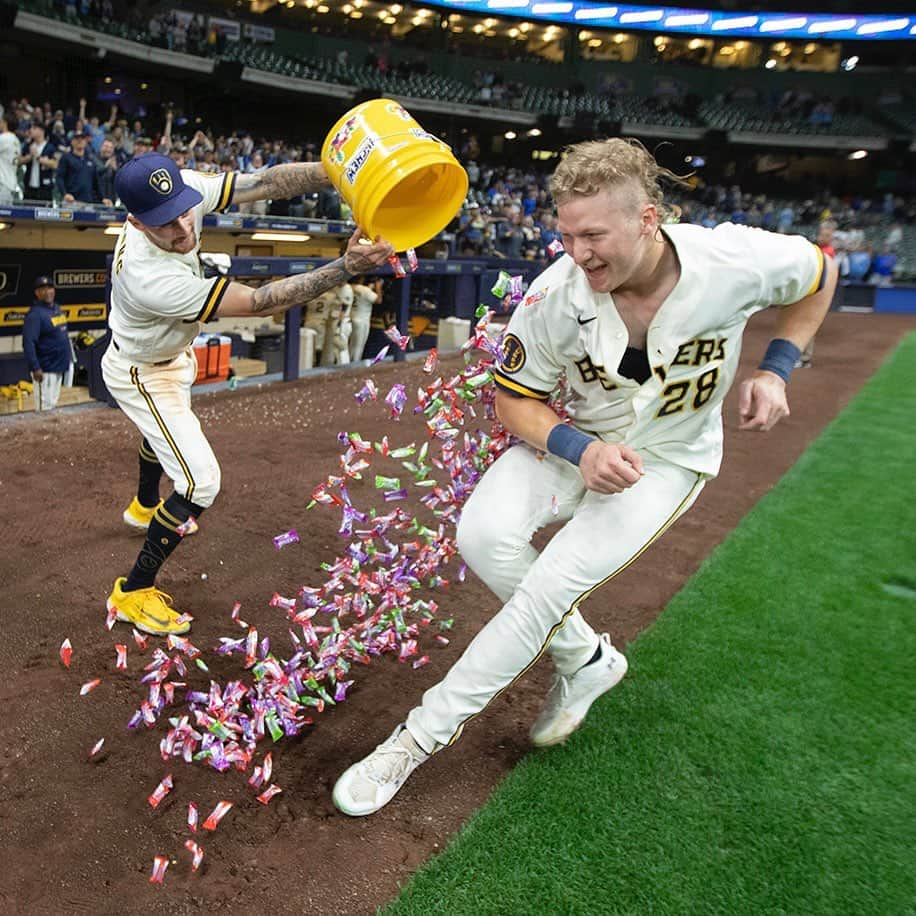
x=359, y=159
x=161, y=181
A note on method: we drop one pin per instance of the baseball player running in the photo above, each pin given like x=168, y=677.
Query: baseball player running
x=159, y=298
x=646, y=322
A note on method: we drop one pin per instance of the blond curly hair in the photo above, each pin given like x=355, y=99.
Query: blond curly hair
x=595, y=165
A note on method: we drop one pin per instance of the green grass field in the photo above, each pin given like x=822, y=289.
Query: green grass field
x=759, y=757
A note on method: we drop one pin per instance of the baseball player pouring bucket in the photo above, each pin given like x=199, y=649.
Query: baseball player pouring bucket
x=159, y=299
x=645, y=320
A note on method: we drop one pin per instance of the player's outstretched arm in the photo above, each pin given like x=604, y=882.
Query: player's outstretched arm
x=762, y=400
x=361, y=256
x=280, y=182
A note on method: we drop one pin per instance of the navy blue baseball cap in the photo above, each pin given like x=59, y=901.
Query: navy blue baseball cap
x=151, y=188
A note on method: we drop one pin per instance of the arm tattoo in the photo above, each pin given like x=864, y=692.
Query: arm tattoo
x=280, y=182
x=297, y=290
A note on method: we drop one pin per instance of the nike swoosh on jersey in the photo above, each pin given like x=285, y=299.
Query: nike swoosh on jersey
x=586, y=320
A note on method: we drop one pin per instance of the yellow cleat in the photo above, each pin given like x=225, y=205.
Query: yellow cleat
x=138, y=516
x=148, y=609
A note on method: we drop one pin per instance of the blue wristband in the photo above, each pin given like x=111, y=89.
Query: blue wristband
x=780, y=358
x=567, y=442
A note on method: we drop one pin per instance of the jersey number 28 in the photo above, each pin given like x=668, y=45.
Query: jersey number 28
x=675, y=395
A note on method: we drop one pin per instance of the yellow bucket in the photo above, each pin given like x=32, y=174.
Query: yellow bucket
x=401, y=182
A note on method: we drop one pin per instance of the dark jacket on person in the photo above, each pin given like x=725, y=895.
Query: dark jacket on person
x=44, y=338
x=77, y=175
x=105, y=181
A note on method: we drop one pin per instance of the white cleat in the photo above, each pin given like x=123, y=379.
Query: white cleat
x=370, y=784
x=570, y=697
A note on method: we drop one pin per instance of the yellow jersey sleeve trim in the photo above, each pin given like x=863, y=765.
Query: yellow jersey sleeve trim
x=514, y=387
x=213, y=300
x=225, y=197
x=821, y=273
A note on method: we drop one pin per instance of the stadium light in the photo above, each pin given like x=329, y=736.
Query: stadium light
x=828, y=25
x=642, y=16
x=739, y=22
x=543, y=9
x=858, y=154
x=597, y=12
x=887, y=25
x=783, y=24
x=687, y=19
x=510, y=135
x=279, y=237
x=770, y=64
x=850, y=63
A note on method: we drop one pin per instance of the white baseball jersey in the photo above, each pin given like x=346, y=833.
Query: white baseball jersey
x=159, y=298
x=363, y=299
x=9, y=165
x=693, y=344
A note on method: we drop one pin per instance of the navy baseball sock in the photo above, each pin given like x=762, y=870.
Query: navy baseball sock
x=162, y=537
x=150, y=475
x=595, y=657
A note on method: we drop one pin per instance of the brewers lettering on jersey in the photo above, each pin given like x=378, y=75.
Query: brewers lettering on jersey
x=159, y=299
x=645, y=321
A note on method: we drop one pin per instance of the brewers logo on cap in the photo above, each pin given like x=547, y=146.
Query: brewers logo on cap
x=161, y=181
x=513, y=353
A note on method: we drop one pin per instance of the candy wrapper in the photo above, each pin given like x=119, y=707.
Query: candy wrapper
x=555, y=248
x=196, y=852
x=265, y=797
x=397, y=266
x=412, y=261
x=288, y=537
x=160, y=864
x=516, y=291
x=160, y=792
x=66, y=651
x=192, y=817
x=121, y=663
x=396, y=399
x=188, y=527
x=368, y=392
x=216, y=815
x=397, y=338
x=96, y=747
x=380, y=355
x=90, y=685
x=501, y=287
x=431, y=362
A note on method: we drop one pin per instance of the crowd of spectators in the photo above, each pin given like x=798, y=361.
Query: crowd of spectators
x=66, y=156
x=69, y=156
x=186, y=33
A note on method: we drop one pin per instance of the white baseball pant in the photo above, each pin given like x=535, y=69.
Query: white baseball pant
x=602, y=536
x=359, y=335
x=158, y=400
x=47, y=391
